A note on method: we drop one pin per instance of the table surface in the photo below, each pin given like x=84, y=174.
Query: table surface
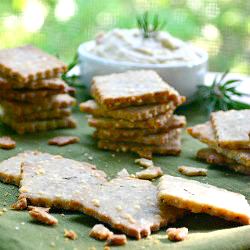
x=19, y=231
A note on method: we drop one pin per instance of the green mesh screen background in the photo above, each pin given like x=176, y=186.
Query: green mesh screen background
x=222, y=27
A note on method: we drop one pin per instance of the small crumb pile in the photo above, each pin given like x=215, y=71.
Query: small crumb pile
x=133, y=111
x=33, y=97
x=227, y=137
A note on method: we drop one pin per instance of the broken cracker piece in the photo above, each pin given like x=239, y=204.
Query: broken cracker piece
x=130, y=88
x=21, y=204
x=146, y=163
x=45, y=209
x=203, y=198
x=116, y=240
x=100, y=232
x=149, y=173
x=77, y=184
x=63, y=140
x=70, y=234
x=123, y=173
x=7, y=142
x=232, y=128
x=177, y=234
x=42, y=216
x=191, y=171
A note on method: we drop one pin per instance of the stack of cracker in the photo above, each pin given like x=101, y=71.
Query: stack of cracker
x=227, y=137
x=133, y=111
x=33, y=96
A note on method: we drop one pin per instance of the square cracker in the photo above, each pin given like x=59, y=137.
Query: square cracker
x=49, y=103
x=109, y=123
x=39, y=126
x=173, y=147
x=204, y=133
x=38, y=116
x=132, y=88
x=130, y=113
x=232, y=128
x=203, y=198
x=52, y=83
x=173, y=123
x=10, y=169
x=153, y=139
x=210, y=156
x=73, y=185
x=27, y=63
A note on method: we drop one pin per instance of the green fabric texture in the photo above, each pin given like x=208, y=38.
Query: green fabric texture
x=19, y=231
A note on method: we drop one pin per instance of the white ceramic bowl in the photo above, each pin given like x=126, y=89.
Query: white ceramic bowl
x=184, y=76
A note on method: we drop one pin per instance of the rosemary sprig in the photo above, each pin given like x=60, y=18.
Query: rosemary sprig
x=220, y=95
x=149, y=25
x=72, y=80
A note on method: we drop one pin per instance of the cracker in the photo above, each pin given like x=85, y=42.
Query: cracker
x=63, y=140
x=177, y=234
x=145, y=151
x=39, y=116
x=149, y=173
x=77, y=186
x=157, y=139
x=212, y=157
x=146, y=163
x=131, y=113
x=46, y=84
x=153, y=123
x=70, y=234
x=232, y=128
x=191, y=171
x=173, y=123
x=28, y=63
x=54, y=102
x=100, y=232
x=204, y=133
x=39, y=126
x=203, y=198
x=7, y=142
x=132, y=88
x=116, y=240
x=10, y=168
x=42, y=216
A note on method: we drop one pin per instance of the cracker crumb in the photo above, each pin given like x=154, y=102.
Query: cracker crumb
x=5, y=209
x=123, y=173
x=42, y=216
x=149, y=173
x=45, y=209
x=90, y=158
x=70, y=234
x=144, y=162
x=17, y=228
x=53, y=244
x=191, y=171
x=7, y=142
x=116, y=240
x=21, y=204
x=100, y=232
x=63, y=140
x=177, y=234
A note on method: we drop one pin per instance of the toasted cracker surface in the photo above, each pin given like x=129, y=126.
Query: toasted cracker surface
x=212, y=157
x=51, y=84
x=145, y=151
x=191, y=171
x=39, y=126
x=7, y=142
x=63, y=140
x=153, y=123
x=173, y=123
x=73, y=185
x=49, y=103
x=203, y=198
x=204, y=133
x=28, y=63
x=39, y=116
x=135, y=113
x=132, y=88
x=232, y=128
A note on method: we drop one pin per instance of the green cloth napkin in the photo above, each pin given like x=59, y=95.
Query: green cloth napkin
x=19, y=231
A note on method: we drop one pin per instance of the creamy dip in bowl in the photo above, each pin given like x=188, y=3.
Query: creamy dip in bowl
x=178, y=63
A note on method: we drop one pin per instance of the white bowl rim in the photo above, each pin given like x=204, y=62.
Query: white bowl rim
x=84, y=53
